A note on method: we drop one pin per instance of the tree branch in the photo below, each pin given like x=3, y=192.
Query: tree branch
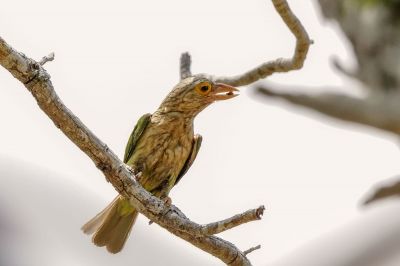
x=342, y=69
x=246, y=252
x=279, y=65
x=185, y=62
x=47, y=58
x=379, y=111
x=37, y=81
x=221, y=226
x=384, y=190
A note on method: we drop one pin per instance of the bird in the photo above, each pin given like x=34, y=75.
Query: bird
x=161, y=149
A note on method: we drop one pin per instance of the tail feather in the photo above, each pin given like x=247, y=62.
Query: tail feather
x=93, y=224
x=118, y=236
x=104, y=232
x=110, y=227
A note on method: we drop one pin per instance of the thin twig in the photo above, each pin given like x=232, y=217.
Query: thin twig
x=47, y=58
x=246, y=252
x=279, y=65
x=185, y=62
x=239, y=219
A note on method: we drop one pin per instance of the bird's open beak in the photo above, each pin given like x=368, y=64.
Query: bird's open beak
x=223, y=92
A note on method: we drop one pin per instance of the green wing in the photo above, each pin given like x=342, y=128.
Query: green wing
x=192, y=156
x=135, y=136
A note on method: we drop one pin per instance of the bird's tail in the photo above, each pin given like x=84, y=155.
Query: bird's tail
x=111, y=227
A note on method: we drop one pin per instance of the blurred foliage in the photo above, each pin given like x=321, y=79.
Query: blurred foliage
x=372, y=27
x=393, y=6
x=387, y=3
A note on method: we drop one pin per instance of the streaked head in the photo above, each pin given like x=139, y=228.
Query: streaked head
x=195, y=93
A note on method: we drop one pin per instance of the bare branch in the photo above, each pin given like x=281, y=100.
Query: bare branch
x=47, y=58
x=379, y=111
x=185, y=62
x=239, y=219
x=342, y=69
x=37, y=81
x=246, y=252
x=279, y=65
x=384, y=191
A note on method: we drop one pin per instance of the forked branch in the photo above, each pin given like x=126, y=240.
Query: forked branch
x=37, y=81
x=281, y=64
x=278, y=65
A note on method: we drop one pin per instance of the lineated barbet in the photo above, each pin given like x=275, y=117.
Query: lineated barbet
x=162, y=147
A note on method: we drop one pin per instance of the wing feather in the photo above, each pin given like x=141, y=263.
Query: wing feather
x=197, y=139
x=135, y=136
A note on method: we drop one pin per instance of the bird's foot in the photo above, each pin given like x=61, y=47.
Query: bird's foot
x=134, y=172
x=167, y=201
x=137, y=175
x=130, y=169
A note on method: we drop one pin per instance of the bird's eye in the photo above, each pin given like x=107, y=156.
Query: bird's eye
x=203, y=88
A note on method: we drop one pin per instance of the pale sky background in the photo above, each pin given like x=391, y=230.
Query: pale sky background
x=116, y=60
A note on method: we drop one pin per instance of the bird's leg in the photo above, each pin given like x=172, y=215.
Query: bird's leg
x=163, y=195
x=167, y=200
x=163, y=191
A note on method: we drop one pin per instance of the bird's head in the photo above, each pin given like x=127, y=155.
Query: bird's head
x=191, y=95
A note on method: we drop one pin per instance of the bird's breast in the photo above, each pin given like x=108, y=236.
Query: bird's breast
x=161, y=153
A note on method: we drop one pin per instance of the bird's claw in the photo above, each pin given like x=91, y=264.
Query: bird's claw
x=130, y=169
x=167, y=201
x=137, y=175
